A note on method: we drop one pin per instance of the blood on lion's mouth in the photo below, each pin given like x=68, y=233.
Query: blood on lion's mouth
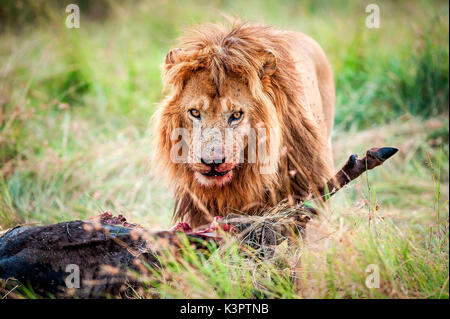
x=214, y=178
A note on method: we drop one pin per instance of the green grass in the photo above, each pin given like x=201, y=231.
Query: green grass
x=75, y=140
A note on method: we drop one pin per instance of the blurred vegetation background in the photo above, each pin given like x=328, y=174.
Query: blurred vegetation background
x=75, y=105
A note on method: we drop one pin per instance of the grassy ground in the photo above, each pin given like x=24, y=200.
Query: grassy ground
x=75, y=139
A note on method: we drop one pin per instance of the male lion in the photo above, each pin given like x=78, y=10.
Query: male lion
x=267, y=89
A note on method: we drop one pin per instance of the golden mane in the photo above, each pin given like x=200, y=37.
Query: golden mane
x=241, y=50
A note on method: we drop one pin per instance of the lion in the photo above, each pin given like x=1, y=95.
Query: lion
x=270, y=93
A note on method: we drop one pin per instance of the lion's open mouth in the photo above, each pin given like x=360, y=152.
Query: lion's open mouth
x=214, y=177
x=213, y=172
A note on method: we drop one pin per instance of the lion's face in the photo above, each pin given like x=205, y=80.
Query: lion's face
x=219, y=121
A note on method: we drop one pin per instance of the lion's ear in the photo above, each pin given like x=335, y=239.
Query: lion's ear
x=269, y=62
x=173, y=56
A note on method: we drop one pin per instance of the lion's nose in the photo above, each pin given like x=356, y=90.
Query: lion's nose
x=213, y=161
x=213, y=155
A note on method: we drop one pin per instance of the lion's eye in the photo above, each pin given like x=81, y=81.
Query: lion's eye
x=195, y=113
x=235, y=116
